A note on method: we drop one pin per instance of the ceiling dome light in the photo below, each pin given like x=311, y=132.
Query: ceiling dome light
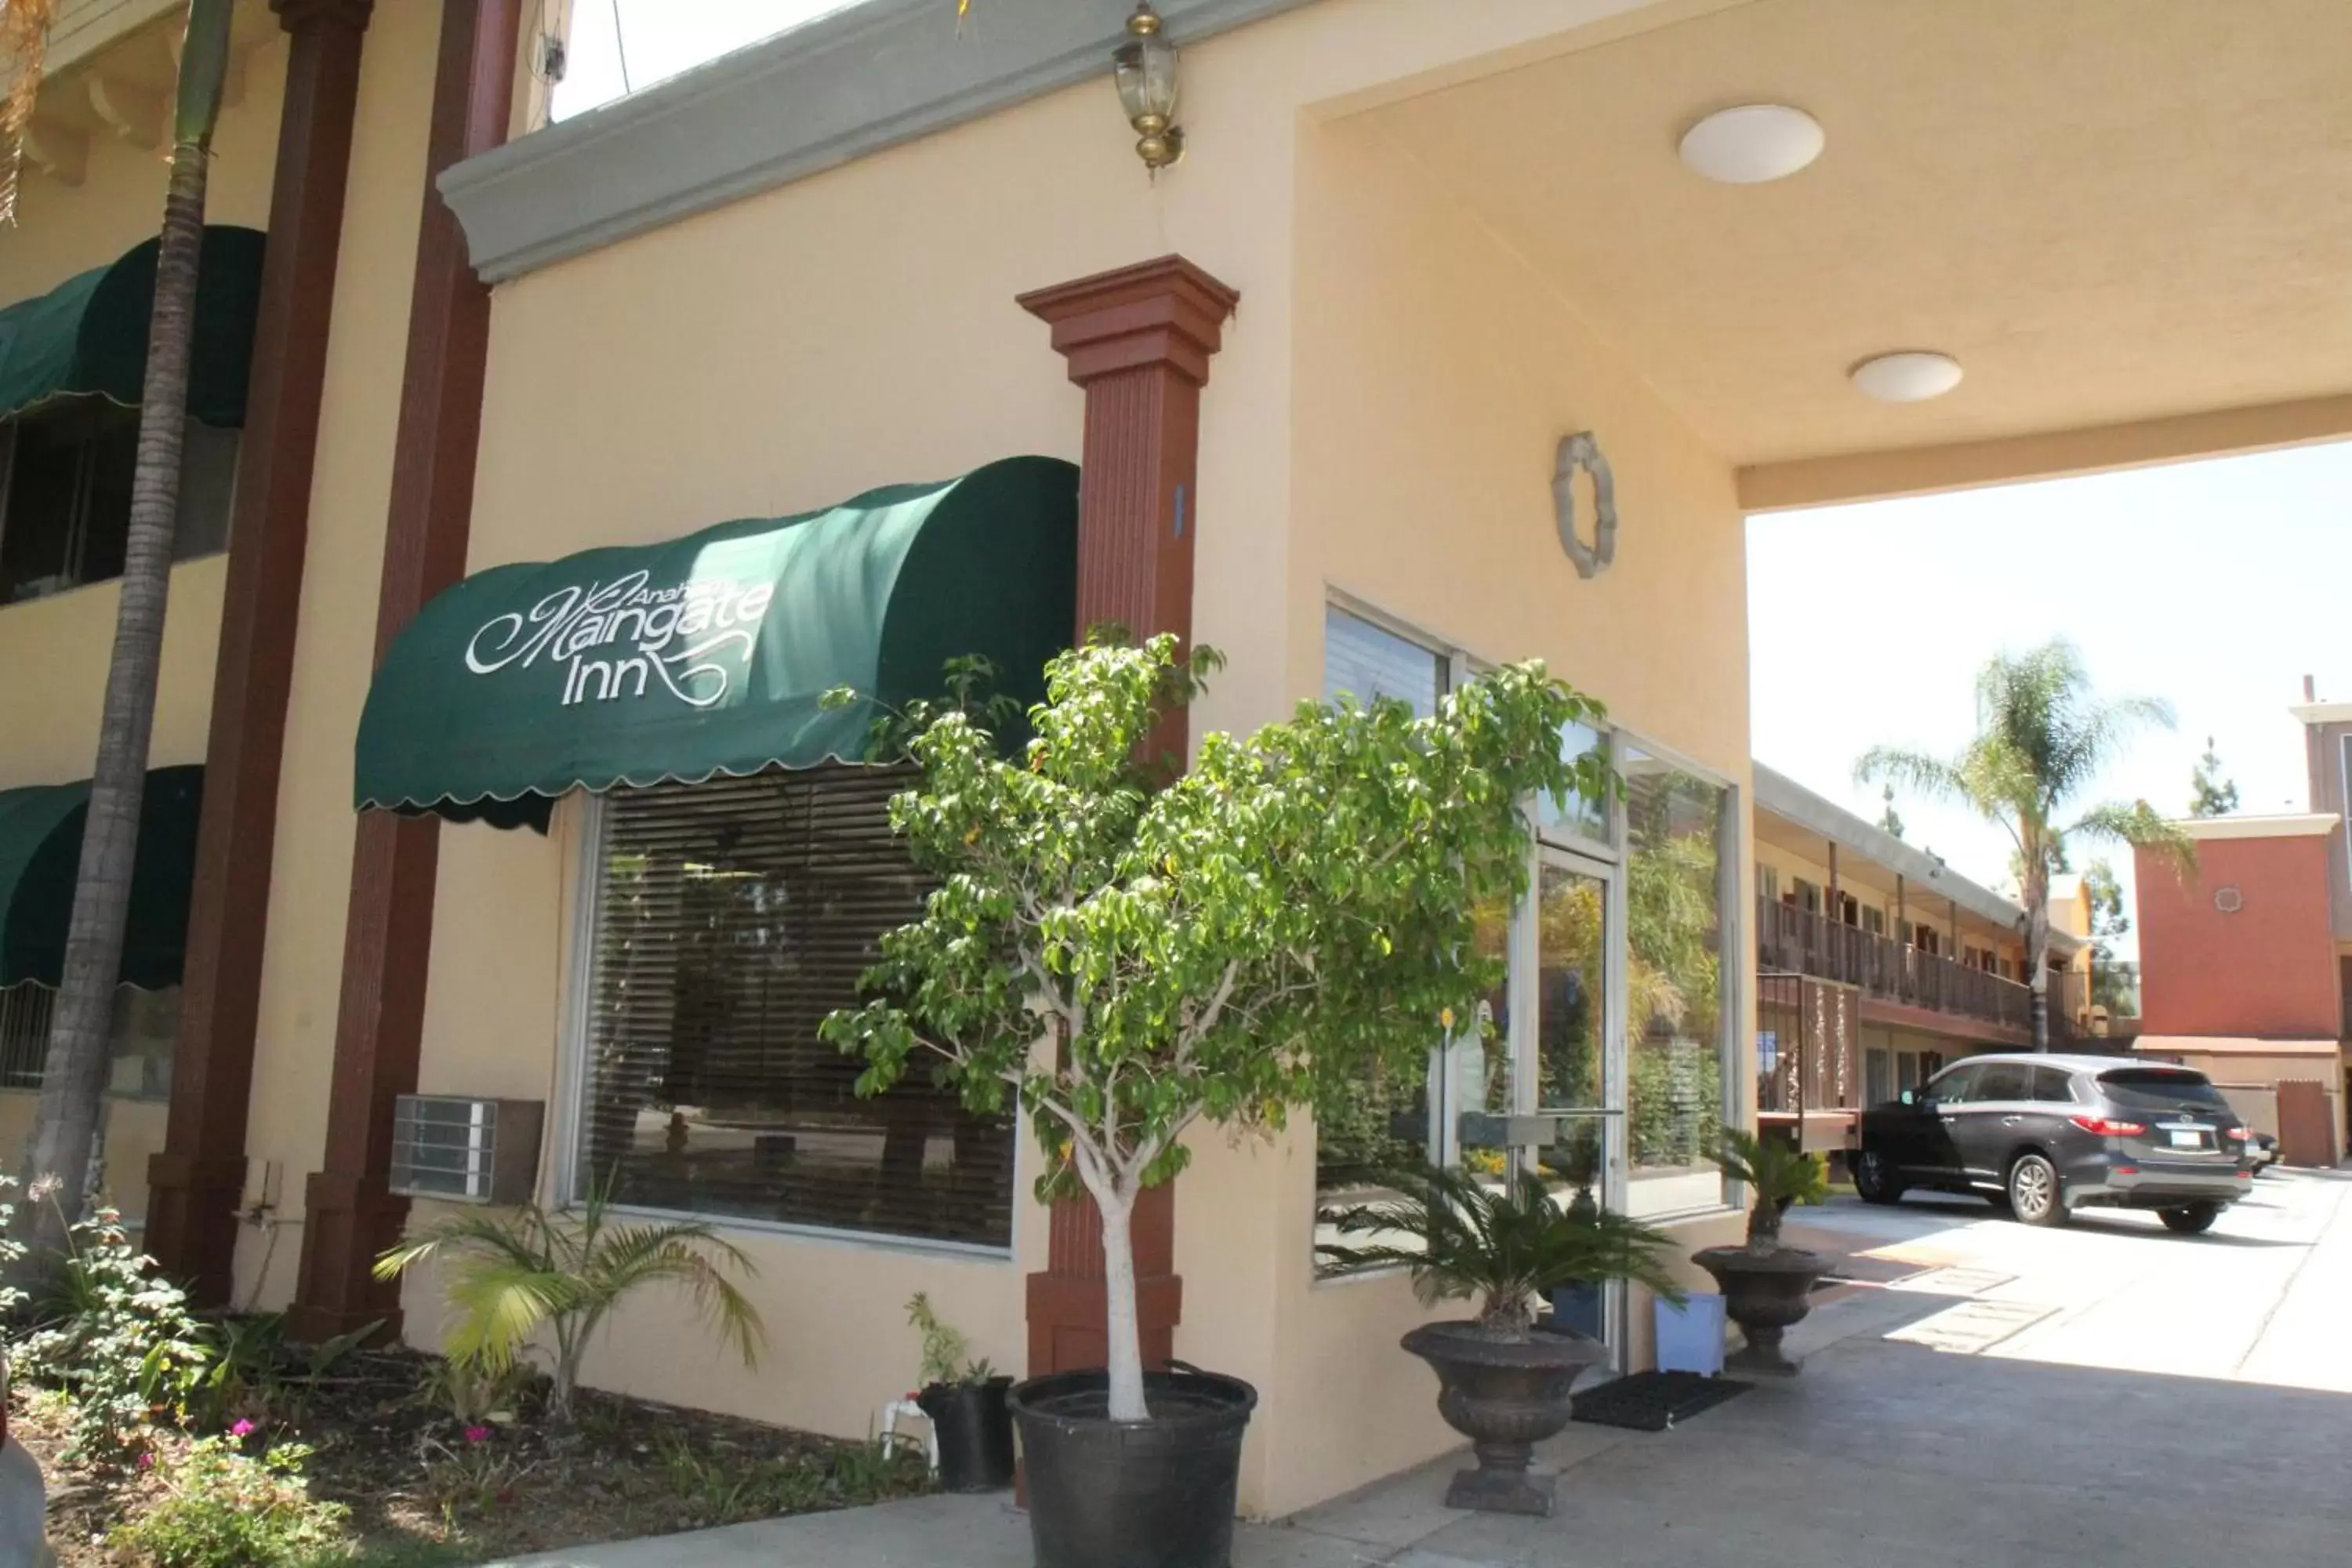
x=1752, y=143
x=1914, y=375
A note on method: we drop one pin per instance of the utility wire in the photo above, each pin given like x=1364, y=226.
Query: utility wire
x=620, y=47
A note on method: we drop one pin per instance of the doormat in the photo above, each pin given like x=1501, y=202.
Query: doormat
x=1654, y=1401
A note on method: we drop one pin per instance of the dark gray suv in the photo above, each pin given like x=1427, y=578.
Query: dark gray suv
x=2044, y=1135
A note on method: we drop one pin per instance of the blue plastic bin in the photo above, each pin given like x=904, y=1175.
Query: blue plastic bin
x=1690, y=1337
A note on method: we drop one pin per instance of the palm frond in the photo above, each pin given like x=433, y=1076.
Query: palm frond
x=1916, y=770
x=2141, y=825
x=1500, y=1245
x=499, y=1306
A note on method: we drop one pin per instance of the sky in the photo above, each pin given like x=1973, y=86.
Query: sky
x=2216, y=586
x=662, y=38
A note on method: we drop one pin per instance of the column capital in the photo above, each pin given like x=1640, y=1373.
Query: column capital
x=1161, y=312
x=297, y=15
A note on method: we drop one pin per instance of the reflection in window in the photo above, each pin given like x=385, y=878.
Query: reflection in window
x=1573, y=817
x=733, y=916
x=146, y=1029
x=1676, y=831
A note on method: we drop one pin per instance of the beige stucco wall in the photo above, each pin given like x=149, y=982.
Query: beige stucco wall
x=133, y=1130
x=1434, y=374
x=2250, y=1082
x=858, y=328
x=335, y=636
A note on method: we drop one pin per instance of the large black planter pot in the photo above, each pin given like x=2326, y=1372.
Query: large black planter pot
x=974, y=1428
x=1132, y=1494
x=1764, y=1293
x=1506, y=1396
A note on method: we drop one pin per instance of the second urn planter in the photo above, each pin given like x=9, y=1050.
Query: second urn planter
x=1765, y=1294
x=1506, y=1396
x=1767, y=1287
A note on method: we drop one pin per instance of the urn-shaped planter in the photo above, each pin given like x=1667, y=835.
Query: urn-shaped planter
x=1765, y=1291
x=1506, y=1394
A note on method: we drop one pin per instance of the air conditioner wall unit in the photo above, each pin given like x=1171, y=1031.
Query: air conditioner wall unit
x=458, y=1148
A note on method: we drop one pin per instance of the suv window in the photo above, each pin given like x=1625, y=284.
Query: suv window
x=2160, y=1089
x=1954, y=1088
x=2053, y=1086
x=2005, y=1082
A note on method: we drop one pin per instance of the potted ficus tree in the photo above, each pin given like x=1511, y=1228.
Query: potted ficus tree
x=1127, y=961
x=965, y=1400
x=1505, y=1244
x=1767, y=1287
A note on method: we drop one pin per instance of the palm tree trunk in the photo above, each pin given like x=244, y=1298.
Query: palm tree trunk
x=65, y=1140
x=2037, y=948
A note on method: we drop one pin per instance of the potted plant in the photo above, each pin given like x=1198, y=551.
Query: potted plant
x=1767, y=1287
x=965, y=1401
x=1506, y=1245
x=1293, y=911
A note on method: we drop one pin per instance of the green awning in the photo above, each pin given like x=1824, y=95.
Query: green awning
x=88, y=336
x=709, y=654
x=40, y=856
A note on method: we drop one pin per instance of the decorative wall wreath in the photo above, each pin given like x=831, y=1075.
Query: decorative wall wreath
x=1582, y=451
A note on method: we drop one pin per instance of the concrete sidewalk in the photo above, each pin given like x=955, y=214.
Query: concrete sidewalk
x=1999, y=1447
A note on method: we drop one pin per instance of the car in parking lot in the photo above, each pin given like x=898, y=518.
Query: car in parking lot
x=2045, y=1135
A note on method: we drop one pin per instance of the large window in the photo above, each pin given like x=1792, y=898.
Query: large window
x=1384, y=1119
x=1679, y=838
x=65, y=495
x=731, y=917
x=146, y=1027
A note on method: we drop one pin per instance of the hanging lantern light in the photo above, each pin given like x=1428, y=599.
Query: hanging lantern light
x=1144, y=68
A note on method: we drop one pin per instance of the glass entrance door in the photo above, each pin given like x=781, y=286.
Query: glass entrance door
x=1561, y=1056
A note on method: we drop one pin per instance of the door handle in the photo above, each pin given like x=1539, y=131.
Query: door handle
x=2010, y=1120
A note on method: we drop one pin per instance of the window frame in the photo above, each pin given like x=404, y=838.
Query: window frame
x=560, y=1176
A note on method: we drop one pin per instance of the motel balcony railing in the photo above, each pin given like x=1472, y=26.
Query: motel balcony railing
x=1798, y=941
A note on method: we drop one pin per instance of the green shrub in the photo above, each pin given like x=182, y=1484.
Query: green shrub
x=116, y=1337
x=224, y=1508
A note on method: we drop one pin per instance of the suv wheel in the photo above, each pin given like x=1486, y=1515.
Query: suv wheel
x=1874, y=1183
x=2033, y=1193
x=2191, y=1219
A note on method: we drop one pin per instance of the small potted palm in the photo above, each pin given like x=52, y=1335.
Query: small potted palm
x=1767, y=1287
x=1505, y=1245
x=965, y=1400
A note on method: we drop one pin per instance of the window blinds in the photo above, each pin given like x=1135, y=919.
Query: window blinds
x=733, y=916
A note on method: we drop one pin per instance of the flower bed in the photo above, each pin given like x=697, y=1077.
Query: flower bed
x=422, y=1485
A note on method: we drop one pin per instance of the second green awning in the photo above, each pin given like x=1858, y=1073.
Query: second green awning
x=710, y=654
x=88, y=336
x=40, y=858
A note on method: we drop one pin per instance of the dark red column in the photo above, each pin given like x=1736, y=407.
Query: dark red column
x=198, y=1179
x=1139, y=341
x=349, y=1214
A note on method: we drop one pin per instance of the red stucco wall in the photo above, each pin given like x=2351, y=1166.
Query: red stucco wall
x=2268, y=968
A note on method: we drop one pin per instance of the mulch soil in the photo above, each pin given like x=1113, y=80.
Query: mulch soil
x=423, y=1491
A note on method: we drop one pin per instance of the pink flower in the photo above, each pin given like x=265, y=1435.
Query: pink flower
x=146, y=1461
x=478, y=1433
x=242, y=1429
